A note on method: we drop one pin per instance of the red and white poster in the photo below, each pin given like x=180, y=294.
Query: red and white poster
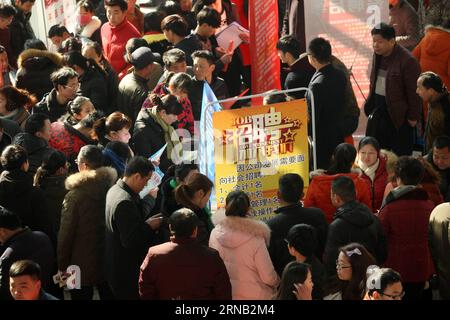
x=263, y=41
x=60, y=12
x=347, y=25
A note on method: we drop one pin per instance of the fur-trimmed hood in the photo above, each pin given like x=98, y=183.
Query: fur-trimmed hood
x=92, y=179
x=89, y=29
x=235, y=231
x=436, y=40
x=430, y=26
x=31, y=57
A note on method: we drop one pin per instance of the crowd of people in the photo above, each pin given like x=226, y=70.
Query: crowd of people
x=80, y=124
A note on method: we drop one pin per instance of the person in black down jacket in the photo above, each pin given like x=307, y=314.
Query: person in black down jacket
x=353, y=222
x=290, y=213
x=20, y=243
x=35, y=140
x=35, y=65
x=20, y=27
x=17, y=193
x=65, y=88
x=153, y=129
x=92, y=79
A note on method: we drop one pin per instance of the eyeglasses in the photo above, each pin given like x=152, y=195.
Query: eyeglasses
x=75, y=87
x=396, y=297
x=340, y=266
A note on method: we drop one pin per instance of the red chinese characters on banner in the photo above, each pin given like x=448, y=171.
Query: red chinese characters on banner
x=263, y=41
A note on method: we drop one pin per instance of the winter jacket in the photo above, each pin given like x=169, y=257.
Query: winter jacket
x=285, y=219
x=21, y=31
x=242, y=244
x=354, y=222
x=19, y=116
x=5, y=41
x=50, y=106
x=37, y=148
x=405, y=20
x=68, y=140
x=439, y=242
x=127, y=239
x=34, y=70
x=19, y=196
x=81, y=235
x=405, y=217
x=217, y=85
x=433, y=52
x=189, y=45
x=378, y=185
x=112, y=84
x=183, y=269
x=94, y=86
x=10, y=130
x=299, y=76
x=54, y=192
x=319, y=191
x=132, y=93
x=148, y=137
x=136, y=18
x=328, y=88
x=31, y=245
x=444, y=186
x=438, y=120
x=91, y=31
x=114, y=40
x=403, y=103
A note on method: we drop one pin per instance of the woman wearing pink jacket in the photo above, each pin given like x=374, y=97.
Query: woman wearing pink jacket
x=242, y=244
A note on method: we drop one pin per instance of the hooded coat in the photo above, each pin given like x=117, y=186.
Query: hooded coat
x=354, y=222
x=81, y=238
x=433, y=52
x=242, y=244
x=34, y=70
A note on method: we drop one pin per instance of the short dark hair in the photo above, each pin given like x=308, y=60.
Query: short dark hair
x=35, y=123
x=303, y=238
x=176, y=24
x=13, y=157
x=180, y=81
x=369, y=141
x=25, y=268
x=320, y=49
x=183, y=223
x=342, y=160
x=92, y=156
x=140, y=165
x=62, y=76
x=34, y=44
x=204, y=54
x=173, y=56
x=86, y=5
x=384, y=30
x=409, y=170
x=344, y=187
x=290, y=187
x=237, y=204
x=57, y=31
x=431, y=80
x=289, y=44
x=442, y=142
x=152, y=21
x=209, y=16
x=90, y=120
x=7, y=11
x=8, y=219
x=379, y=279
x=182, y=170
x=120, y=3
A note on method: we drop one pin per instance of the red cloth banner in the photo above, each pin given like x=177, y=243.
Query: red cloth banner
x=263, y=41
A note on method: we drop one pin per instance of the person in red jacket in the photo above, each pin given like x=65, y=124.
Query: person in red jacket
x=373, y=166
x=319, y=191
x=183, y=268
x=115, y=34
x=404, y=215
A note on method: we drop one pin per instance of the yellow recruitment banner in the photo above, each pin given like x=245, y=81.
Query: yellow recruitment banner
x=255, y=146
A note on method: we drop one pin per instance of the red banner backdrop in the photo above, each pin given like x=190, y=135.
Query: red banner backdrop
x=263, y=40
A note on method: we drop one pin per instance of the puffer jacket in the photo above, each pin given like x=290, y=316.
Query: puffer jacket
x=37, y=148
x=319, y=191
x=242, y=244
x=34, y=70
x=81, y=238
x=433, y=52
x=378, y=185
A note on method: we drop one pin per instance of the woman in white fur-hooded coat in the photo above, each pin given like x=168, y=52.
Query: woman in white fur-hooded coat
x=242, y=243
